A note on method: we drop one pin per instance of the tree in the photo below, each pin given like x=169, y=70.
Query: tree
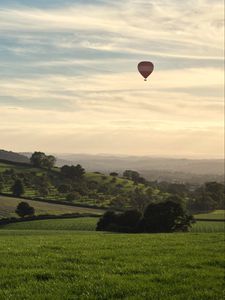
x=203, y=200
x=132, y=175
x=127, y=221
x=73, y=196
x=72, y=172
x=216, y=192
x=43, y=191
x=139, y=200
x=1, y=186
x=37, y=159
x=40, y=160
x=114, y=174
x=168, y=216
x=49, y=161
x=64, y=188
x=18, y=188
x=106, y=220
x=24, y=209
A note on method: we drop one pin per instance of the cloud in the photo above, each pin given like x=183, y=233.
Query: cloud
x=128, y=26
x=69, y=73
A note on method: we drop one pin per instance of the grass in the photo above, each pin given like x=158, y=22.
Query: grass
x=216, y=214
x=9, y=204
x=208, y=226
x=89, y=224
x=84, y=224
x=77, y=265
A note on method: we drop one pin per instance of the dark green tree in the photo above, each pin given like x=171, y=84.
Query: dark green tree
x=114, y=174
x=18, y=188
x=64, y=188
x=1, y=186
x=168, y=216
x=132, y=175
x=72, y=172
x=139, y=200
x=40, y=160
x=37, y=159
x=24, y=209
x=49, y=162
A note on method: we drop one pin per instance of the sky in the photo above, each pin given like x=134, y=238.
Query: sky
x=69, y=81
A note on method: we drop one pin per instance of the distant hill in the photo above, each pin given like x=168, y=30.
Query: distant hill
x=13, y=156
x=152, y=168
x=119, y=163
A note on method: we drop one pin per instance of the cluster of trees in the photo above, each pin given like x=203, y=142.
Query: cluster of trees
x=134, y=176
x=168, y=216
x=41, y=160
x=69, y=183
x=207, y=197
x=73, y=172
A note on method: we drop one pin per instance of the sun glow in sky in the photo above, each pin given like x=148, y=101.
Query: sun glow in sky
x=69, y=80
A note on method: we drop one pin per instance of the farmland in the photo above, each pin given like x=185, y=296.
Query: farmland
x=89, y=224
x=79, y=265
x=216, y=214
x=8, y=206
x=208, y=227
x=80, y=224
x=102, y=188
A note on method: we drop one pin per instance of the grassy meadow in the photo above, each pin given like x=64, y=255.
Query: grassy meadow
x=92, y=265
x=216, y=214
x=89, y=224
x=83, y=224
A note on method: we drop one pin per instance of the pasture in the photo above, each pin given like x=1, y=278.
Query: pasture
x=81, y=224
x=92, y=265
x=208, y=226
x=9, y=204
x=216, y=214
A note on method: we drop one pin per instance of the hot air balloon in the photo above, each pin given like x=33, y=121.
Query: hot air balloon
x=145, y=68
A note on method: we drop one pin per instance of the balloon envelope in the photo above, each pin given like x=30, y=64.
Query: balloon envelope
x=145, y=68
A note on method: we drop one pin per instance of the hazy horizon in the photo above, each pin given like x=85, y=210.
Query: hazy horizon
x=69, y=80
x=176, y=156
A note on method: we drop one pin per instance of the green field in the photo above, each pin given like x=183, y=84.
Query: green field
x=84, y=224
x=9, y=204
x=89, y=224
x=216, y=214
x=208, y=226
x=78, y=265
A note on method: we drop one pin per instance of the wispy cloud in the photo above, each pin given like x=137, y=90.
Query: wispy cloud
x=71, y=69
